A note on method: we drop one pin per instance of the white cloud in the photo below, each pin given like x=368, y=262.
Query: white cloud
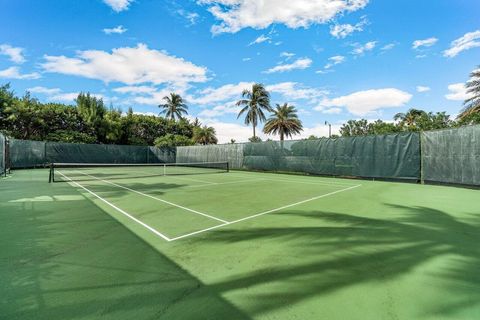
x=424, y=43
x=15, y=54
x=295, y=91
x=192, y=17
x=118, y=29
x=287, y=55
x=14, y=73
x=118, y=5
x=368, y=101
x=56, y=94
x=334, y=61
x=260, y=39
x=246, y=59
x=43, y=90
x=319, y=130
x=361, y=49
x=227, y=108
x=135, y=90
x=387, y=47
x=223, y=93
x=332, y=111
x=341, y=31
x=467, y=41
x=423, y=89
x=458, y=92
x=235, y=15
x=302, y=63
x=129, y=65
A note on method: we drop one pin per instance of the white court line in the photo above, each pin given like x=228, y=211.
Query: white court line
x=189, y=179
x=155, y=198
x=321, y=182
x=222, y=183
x=119, y=210
x=264, y=212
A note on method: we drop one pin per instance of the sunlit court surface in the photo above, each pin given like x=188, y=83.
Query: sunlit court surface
x=156, y=242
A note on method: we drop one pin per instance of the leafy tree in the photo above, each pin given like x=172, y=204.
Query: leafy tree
x=254, y=103
x=24, y=120
x=174, y=107
x=92, y=110
x=7, y=99
x=173, y=140
x=381, y=127
x=472, y=104
x=284, y=122
x=204, y=135
x=232, y=141
x=113, y=125
x=355, y=128
x=312, y=137
x=70, y=136
x=410, y=119
x=255, y=139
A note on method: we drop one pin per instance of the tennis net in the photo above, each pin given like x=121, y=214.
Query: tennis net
x=100, y=171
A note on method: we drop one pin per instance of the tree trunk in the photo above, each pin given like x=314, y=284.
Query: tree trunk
x=253, y=130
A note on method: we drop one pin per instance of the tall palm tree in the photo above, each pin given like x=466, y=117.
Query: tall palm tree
x=254, y=103
x=472, y=104
x=174, y=106
x=284, y=122
x=204, y=135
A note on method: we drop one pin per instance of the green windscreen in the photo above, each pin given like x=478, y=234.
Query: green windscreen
x=3, y=154
x=452, y=155
x=232, y=153
x=30, y=154
x=27, y=154
x=394, y=156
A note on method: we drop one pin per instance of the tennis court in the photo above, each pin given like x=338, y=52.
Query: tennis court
x=150, y=242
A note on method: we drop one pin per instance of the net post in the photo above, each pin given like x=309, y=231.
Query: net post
x=228, y=166
x=50, y=177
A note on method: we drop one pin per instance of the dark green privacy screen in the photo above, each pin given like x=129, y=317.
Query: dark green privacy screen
x=231, y=153
x=452, y=156
x=386, y=156
x=446, y=156
x=30, y=154
x=27, y=154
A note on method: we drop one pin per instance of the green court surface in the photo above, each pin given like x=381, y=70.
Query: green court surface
x=238, y=245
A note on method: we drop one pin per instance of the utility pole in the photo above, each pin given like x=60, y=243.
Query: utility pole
x=329, y=129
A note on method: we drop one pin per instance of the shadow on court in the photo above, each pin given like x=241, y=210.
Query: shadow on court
x=353, y=250
x=62, y=257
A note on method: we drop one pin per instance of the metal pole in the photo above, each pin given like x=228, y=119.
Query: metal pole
x=329, y=129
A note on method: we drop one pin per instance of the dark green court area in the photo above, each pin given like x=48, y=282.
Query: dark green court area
x=111, y=243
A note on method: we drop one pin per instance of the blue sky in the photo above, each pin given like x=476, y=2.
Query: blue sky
x=333, y=59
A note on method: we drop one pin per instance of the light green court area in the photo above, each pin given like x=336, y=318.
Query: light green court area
x=236, y=245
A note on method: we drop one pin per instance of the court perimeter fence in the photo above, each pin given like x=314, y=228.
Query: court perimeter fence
x=443, y=156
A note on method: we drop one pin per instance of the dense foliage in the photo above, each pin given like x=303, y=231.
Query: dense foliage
x=413, y=120
x=90, y=121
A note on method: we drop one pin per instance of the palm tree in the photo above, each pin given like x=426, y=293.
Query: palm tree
x=284, y=122
x=204, y=135
x=410, y=118
x=174, y=107
x=254, y=103
x=472, y=104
